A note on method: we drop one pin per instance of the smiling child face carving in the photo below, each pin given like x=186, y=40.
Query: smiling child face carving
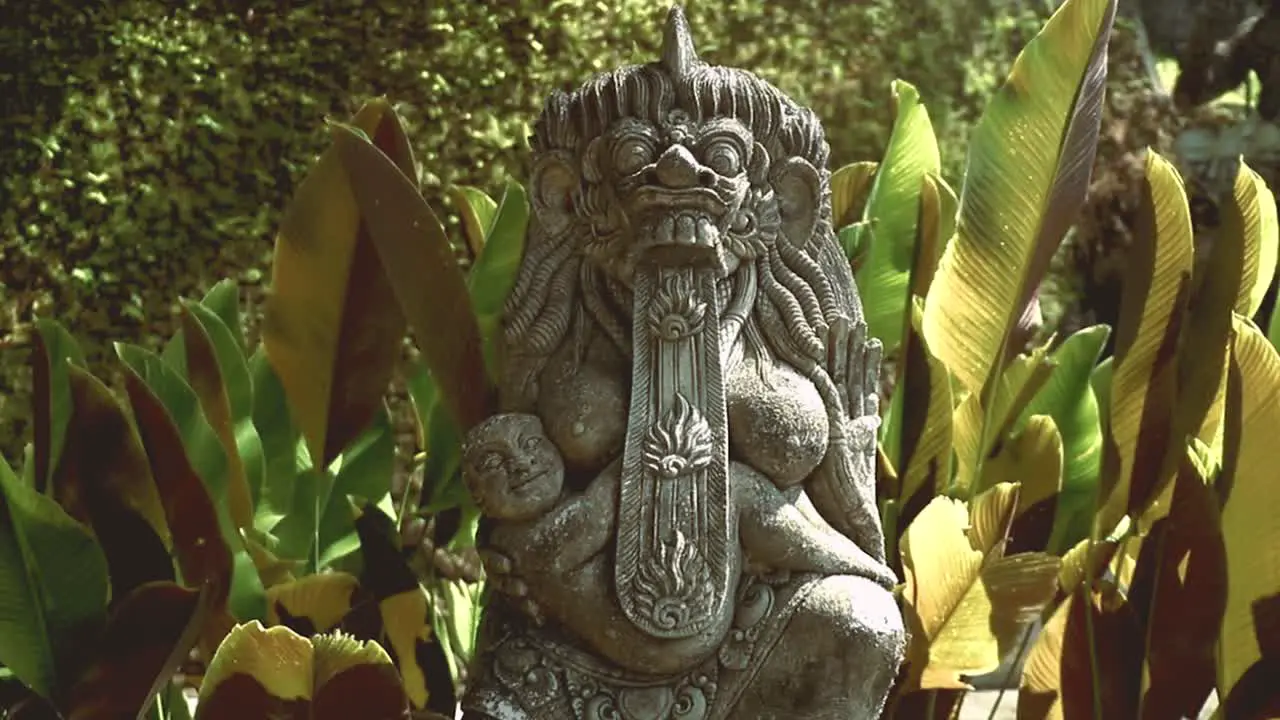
x=511, y=468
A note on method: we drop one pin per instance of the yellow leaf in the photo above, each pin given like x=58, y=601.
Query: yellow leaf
x=1040, y=692
x=1144, y=373
x=1250, y=218
x=1032, y=458
x=323, y=600
x=1251, y=498
x=850, y=186
x=990, y=515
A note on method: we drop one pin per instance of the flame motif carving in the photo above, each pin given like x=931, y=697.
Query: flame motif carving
x=680, y=443
x=675, y=312
x=674, y=587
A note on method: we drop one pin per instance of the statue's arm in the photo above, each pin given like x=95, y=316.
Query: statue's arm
x=776, y=534
x=578, y=528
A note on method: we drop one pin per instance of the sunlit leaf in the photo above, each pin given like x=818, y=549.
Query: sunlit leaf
x=1249, y=218
x=1032, y=458
x=1029, y=165
x=494, y=273
x=923, y=404
x=477, y=211
x=312, y=604
x=1068, y=398
x=893, y=207
x=1153, y=304
x=1249, y=497
x=850, y=186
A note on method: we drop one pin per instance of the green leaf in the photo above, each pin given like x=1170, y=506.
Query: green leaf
x=248, y=599
x=299, y=531
x=477, y=211
x=204, y=449
x=279, y=437
x=494, y=272
x=1068, y=398
x=1029, y=164
x=366, y=470
x=53, y=347
x=53, y=586
x=894, y=207
x=223, y=299
x=857, y=239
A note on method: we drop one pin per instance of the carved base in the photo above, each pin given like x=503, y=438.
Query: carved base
x=804, y=648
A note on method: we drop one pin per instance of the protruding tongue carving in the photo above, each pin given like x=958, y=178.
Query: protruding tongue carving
x=674, y=571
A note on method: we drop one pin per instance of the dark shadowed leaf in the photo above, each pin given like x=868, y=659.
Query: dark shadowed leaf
x=924, y=407
x=1180, y=589
x=52, y=349
x=421, y=268
x=104, y=481
x=367, y=467
x=53, y=587
x=1116, y=647
x=199, y=539
x=355, y=679
x=148, y=636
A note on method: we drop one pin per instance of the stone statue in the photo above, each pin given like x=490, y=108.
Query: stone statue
x=679, y=496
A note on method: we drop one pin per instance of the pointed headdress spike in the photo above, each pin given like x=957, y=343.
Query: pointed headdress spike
x=678, y=53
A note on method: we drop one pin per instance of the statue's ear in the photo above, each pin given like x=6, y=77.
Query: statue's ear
x=798, y=187
x=552, y=190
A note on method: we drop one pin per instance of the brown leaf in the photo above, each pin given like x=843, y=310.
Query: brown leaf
x=105, y=482
x=424, y=275
x=1180, y=589
x=205, y=377
x=201, y=548
x=355, y=679
x=146, y=639
x=332, y=330
x=1103, y=626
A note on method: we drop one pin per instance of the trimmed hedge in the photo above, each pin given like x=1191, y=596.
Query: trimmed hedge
x=149, y=148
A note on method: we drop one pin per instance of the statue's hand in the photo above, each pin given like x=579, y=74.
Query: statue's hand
x=853, y=360
x=502, y=577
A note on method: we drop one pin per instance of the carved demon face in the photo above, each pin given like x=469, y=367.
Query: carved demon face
x=677, y=192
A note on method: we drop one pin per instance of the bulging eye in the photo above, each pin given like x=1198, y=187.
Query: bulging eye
x=531, y=443
x=632, y=154
x=723, y=157
x=491, y=461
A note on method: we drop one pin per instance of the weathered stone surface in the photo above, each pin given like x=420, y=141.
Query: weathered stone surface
x=679, y=494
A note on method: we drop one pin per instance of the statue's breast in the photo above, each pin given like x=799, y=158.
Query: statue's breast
x=777, y=421
x=583, y=405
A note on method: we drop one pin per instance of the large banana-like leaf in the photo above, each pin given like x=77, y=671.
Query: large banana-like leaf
x=893, y=210
x=332, y=329
x=978, y=423
x=431, y=290
x=494, y=272
x=52, y=349
x=923, y=404
x=1250, y=497
x=477, y=211
x=850, y=186
x=1249, y=217
x=1033, y=459
x=1152, y=309
x=1068, y=398
x=957, y=582
x=1029, y=164
x=1180, y=591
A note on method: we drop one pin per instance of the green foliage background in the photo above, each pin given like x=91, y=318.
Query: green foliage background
x=147, y=147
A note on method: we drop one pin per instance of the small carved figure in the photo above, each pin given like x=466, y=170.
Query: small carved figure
x=559, y=540
x=686, y=328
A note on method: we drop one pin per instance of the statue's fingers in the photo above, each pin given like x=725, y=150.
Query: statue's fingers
x=495, y=563
x=872, y=357
x=838, y=352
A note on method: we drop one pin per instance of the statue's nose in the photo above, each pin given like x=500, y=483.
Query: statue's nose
x=677, y=168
